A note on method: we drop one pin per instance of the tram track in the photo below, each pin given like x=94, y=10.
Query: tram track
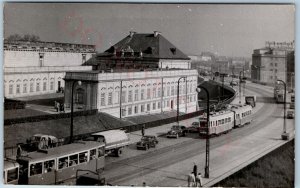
x=120, y=172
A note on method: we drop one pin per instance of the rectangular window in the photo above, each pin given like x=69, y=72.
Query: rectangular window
x=142, y=108
x=24, y=88
x=172, y=91
x=123, y=112
x=154, y=106
x=191, y=88
x=12, y=175
x=275, y=70
x=109, y=102
x=93, y=154
x=129, y=110
x=73, y=160
x=168, y=103
x=154, y=93
x=123, y=96
x=117, y=97
x=31, y=87
x=36, y=168
x=18, y=89
x=168, y=91
x=142, y=94
x=158, y=92
x=44, y=86
x=102, y=99
x=136, y=109
x=11, y=88
x=83, y=157
x=129, y=96
x=52, y=85
x=158, y=105
x=136, y=95
x=148, y=93
x=275, y=64
x=148, y=107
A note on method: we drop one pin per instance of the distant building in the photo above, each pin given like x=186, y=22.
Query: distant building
x=273, y=62
x=138, y=75
x=35, y=68
x=203, y=63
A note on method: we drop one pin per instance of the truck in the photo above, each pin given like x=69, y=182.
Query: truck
x=250, y=100
x=115, y=141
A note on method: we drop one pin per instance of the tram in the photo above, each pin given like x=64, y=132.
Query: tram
x=55, y=165
x=224, y=121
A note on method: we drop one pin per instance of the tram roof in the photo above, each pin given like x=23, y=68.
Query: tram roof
x=61, y=150
x=9, y=164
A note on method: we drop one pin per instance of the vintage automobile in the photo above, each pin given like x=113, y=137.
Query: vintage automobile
x=290, y=114
x=146, y=142
x=176, y=131
x=194, y=128
x=233, y=83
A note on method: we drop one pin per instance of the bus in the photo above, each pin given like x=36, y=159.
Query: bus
x=55, y=165
x=10, y=172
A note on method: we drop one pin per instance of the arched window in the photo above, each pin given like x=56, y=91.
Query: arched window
x=18, y=86
x=31, y=87
x=11, y=87
x=25, y=85
x=44, y=84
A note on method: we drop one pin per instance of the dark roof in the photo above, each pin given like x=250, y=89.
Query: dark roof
x=152, y=47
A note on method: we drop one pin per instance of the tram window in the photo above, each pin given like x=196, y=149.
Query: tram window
x=219, y=122
x=12, y=174
x=100, y=152
x=222, y=121
x=73, y=160
x=36, y=168
x=49, y=166
x=229, y=119
x=63, y=163
x=83, y=157
x=92, y=154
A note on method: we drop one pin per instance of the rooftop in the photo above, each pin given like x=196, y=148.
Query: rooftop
x=141, y=46
x=48, y=46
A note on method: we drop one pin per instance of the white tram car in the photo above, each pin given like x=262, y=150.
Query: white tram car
x=223, y=121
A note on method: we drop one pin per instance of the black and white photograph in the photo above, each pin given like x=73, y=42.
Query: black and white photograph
x=149, y=94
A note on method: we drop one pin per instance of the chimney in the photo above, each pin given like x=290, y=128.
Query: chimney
x=131, y=33
x=156, y=33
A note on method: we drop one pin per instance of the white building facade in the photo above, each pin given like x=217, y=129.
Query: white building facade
x=36, y=68
x=133, y=93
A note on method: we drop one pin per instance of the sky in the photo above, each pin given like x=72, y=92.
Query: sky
x=229, y=30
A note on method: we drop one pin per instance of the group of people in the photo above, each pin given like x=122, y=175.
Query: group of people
x=194, y=178
x=60, y=107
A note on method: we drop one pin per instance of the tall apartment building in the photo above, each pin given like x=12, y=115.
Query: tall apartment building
x=273, y=62
x=138, y=75
x=36, y=68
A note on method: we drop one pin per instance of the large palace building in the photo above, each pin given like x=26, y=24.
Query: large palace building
x=36, y=68
x=138, y=75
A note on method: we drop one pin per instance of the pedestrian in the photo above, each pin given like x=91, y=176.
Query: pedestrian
x=199, y=180
x=144, y=184
x=191, y=180
x=143, y=130
x=57, y=106
x=195, y=170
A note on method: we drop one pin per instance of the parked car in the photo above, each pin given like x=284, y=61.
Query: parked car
x=176, y=131
x=194, y=128
x=146, y=142
x=290, y=114
x=233, y=83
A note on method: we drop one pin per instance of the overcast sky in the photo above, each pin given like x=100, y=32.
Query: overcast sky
x=231, y=30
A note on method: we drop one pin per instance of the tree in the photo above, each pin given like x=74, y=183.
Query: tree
x=26, y=37
x=14, y=37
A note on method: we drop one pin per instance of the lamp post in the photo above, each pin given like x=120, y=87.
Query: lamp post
x=206, y=169
x=240, y=89
x=178, y=97
x=72, y=109
x=284, y=135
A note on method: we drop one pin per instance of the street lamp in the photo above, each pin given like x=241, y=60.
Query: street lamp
x=72, y=109
x=240, y=89
x=178, y=97
x=284, y=135
x=206, y=169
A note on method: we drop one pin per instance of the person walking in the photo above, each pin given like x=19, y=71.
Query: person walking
x=195, y=170
x=199, y=180
x=143, y=130
x=191, y=180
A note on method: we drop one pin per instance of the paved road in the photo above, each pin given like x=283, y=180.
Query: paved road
x=169, y=164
